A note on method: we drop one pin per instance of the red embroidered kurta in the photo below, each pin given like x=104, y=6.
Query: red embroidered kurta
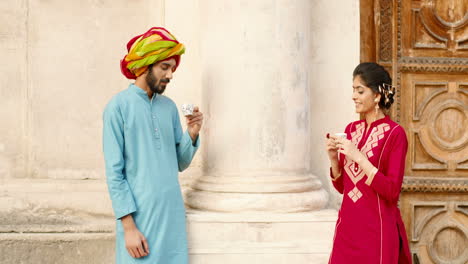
x=369, y=229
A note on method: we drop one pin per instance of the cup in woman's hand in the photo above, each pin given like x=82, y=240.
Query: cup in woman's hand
x=340, y=135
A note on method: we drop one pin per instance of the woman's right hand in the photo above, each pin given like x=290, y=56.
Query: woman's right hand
x=332, y=149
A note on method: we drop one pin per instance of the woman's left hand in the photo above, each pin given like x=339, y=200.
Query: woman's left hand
x=347, y=147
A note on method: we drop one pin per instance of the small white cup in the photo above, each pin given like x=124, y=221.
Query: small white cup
x=187, y=109
x=341, y=135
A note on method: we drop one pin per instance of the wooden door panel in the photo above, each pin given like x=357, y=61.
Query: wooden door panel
x=434, y=28
x=436, y=124
x=424, y=45
x=436, y=225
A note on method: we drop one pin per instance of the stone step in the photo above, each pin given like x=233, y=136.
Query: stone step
x=213, y=238
x=259, y=259
x=260, y=238
x=56, y=248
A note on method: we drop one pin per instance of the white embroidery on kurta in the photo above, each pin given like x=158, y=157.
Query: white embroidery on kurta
x=355, y=194
x=353, y=170
x=357, y=134
x=373, y=139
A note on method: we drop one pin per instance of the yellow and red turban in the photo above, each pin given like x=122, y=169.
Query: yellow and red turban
x=157, y=44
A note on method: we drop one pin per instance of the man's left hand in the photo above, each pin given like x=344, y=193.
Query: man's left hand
x=194, y=123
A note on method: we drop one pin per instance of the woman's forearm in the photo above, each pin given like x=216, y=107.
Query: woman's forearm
x=336, y=171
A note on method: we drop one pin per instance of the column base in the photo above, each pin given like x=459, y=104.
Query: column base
x=272, y=193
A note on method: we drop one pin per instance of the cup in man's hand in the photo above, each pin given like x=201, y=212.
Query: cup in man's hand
x=187, y=109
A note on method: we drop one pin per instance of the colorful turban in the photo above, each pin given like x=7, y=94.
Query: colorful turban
x=157, y=44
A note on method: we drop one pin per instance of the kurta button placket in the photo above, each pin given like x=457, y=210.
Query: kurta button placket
x=154, y=122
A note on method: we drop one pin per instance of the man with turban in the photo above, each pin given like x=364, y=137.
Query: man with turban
x=144, y=149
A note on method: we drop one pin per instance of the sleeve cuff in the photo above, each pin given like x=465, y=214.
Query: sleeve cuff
x=121, y=213
x=371, y=176
x=187, y=140
x=333, y=177
x=197, y=142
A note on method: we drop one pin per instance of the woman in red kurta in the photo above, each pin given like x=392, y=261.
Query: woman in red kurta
x=367, y=168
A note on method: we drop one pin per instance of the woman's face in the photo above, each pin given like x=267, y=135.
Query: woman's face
x=363, y=97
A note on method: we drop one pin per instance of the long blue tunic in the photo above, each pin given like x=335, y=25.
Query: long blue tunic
x=144, y=149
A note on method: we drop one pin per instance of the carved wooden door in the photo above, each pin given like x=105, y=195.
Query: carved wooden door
x=424, y=44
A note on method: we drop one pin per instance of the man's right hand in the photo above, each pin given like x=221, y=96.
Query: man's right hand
x=135, y=242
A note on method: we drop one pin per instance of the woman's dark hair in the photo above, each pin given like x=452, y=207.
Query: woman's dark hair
x=374, y=75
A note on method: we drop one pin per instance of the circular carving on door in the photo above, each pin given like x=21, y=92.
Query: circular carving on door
x=451, y=12
x=449, y=245
x=449, y=124
x=450, y=127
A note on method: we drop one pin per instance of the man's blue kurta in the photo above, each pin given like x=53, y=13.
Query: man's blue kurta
x=144, y=149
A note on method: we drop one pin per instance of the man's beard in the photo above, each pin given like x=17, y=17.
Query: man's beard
x=156, y=86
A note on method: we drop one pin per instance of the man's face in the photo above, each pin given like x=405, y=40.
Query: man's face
x=159, y=75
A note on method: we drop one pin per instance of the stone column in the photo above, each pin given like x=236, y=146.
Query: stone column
x=255, y=78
